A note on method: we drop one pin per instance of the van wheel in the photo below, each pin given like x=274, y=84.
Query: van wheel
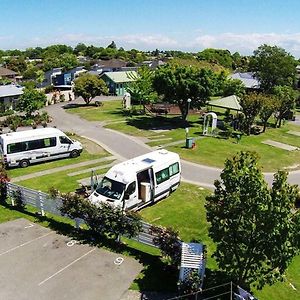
x=24, y=163
x=74, y=154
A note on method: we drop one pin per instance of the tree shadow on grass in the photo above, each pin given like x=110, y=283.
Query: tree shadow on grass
x=155, y=276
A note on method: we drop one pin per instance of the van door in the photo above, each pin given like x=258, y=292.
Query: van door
x=162, y=179
x=65, y=145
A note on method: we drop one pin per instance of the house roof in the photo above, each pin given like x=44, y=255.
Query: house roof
x=111, y=63
x=10, y=90
x=7, y=72
x=230, y=102
x=119, y=77
x=247, y=78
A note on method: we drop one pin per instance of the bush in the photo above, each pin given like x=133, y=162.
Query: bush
x=98, y=103
x=49, y=89
x=102, y=219
x=18, y=199
x=3, y=181
x=167, y=239
x=190, y=285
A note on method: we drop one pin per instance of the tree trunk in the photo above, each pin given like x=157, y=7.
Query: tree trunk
x=265, y=126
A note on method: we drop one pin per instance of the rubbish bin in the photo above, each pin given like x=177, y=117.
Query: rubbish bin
x=189, y=143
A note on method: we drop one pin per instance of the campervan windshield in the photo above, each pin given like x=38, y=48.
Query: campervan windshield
x=110, y=188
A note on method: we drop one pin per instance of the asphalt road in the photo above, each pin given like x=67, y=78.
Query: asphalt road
x=124, y=147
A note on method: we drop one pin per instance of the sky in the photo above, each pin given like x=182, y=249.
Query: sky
x=187, y=25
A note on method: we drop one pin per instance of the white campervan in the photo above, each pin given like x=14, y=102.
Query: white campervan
x=23, y=148
x=140, y=181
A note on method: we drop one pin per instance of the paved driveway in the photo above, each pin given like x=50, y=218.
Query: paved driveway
x=37, y=263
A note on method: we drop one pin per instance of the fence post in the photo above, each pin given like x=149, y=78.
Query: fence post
x=9, y=194
x=41, y=203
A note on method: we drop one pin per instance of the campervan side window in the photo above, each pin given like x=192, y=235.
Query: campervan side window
x=31, y=145
x=174, y=169
x=162, y=175
x=65, y=140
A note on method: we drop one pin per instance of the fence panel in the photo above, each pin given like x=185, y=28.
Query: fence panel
x=45, y=203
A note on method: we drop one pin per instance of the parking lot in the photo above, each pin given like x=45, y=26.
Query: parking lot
x=37, y=263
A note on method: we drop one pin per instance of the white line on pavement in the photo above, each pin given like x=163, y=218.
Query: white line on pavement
x=24, y=244
x=67, y=266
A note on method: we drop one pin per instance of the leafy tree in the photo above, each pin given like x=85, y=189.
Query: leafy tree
x=31, y=100
x=220, y=56
x=233, y=87
x=89, y=86
x=141, y=89
x=68, y=61
x=269, y=106
x=255, y=228
x=287, y=101
x=80, y=49
x=112, y=45
x=273, y=66
x=179, y=83
x=251, y=104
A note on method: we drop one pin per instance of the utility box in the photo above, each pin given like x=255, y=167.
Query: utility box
x=189, y=143
x=145, y=191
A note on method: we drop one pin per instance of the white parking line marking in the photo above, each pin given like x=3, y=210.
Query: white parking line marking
x=67, y=266
x=24, y=244
x=29, y=226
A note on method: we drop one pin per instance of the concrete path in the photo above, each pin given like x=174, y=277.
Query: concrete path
x=296, y=133
x=63, y=168
x=280, y=145
x=124, y=147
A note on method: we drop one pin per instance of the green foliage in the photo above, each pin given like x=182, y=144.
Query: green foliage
x=190, y=285
x=256, y=229
x=18, y=199
x=251, y=104
x=287, y=101
x=233, y=87
x=273, y=66
x=178, y=84
x=270, y=104
x=141, y=89
x=4, y=178
x=168, y=241
x=31, y=100
x=102, y=219
x=89, y=86
x=220, y=56
x=112, y=45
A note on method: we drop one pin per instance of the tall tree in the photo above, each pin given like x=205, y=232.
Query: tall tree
x=31, y=100
x=89, y=86
x=256, y=229
x=179, y=83
x=287, y=101
x=251, y=104
x=270, y=104
x=141, y=89
x=273, y=66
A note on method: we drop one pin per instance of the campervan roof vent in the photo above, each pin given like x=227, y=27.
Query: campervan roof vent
x=163, y=151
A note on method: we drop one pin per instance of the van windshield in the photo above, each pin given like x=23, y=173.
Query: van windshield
x=110, y=188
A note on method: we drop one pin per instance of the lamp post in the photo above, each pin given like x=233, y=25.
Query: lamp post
x=189, y=100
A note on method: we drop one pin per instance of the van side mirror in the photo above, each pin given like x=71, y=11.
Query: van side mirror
x=126, y=195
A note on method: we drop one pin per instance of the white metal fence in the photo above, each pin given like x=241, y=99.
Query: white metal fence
x=45, y=203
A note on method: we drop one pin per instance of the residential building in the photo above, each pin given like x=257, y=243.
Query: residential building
x=66, y=78
x=8, y=74
x=9, y=95
x=111, y=65
x=118, y=81
x=50, y=75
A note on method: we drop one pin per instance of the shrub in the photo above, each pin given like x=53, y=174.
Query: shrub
x=167, y=239
x=3, y=181
x=190, y=285
x=18, y=199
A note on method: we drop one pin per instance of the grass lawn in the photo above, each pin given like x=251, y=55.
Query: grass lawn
x=209, y=151
x=60, y=180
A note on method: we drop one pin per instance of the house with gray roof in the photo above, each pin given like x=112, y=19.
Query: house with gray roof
x=9, y=95
x=7, y=73
x=118, y=81
x=248, y=79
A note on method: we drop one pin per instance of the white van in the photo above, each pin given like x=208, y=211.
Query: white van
x=137, y=182
x=23, y=148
